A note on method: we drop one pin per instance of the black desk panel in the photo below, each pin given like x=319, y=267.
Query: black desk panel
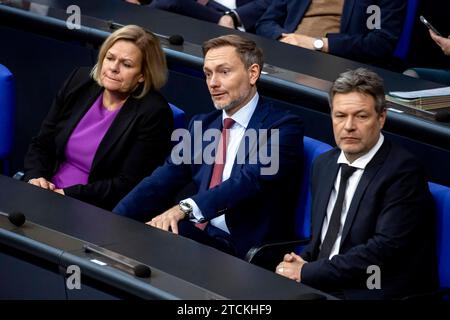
x=57, y=227
x=319, y=65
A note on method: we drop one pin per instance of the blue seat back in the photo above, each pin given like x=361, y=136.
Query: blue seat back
x=441, y=196
x=179, y=117
x=7, y=112
x=402, y=49
x=311, y=149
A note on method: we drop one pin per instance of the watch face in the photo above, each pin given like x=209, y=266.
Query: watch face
x=185, y=207
x=318, y=44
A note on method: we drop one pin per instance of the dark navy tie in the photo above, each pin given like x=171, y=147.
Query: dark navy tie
x=335, y=220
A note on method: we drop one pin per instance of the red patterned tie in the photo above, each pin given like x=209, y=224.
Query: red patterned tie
x=219, y=162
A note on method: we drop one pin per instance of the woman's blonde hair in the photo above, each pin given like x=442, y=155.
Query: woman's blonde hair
x=154, y=66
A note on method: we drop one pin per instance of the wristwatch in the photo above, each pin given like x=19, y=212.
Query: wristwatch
x=234, y=16
x=318, y=44
x=187, y=209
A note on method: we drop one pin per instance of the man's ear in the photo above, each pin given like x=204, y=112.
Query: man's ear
x=254, y=72
x=382, y=118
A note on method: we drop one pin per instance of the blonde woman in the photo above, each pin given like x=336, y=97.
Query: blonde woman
x=108, y=127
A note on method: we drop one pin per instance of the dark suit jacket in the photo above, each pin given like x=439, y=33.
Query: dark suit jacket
x=355, y=40
x=390, y=223
x=135, y=144
x=249, y=11
x=257, y=207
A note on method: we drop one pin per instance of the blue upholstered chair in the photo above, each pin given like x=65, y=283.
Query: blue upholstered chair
x=7, y=112
x=402, y=49
x=441, y=195
x=311, y=149
x=179, y=117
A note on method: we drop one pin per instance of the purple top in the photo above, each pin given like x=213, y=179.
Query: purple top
x=83, y=144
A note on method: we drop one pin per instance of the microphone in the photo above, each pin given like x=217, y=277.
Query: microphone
x=442, y=116
x=139, y=270
x=142, y=271
x=174, y=39
x=16, y=218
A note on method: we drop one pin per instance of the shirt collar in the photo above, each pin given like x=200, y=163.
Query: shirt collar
x=243, y=115
x=362, y=161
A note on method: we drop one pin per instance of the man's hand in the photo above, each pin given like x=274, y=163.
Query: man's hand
x=43, y=183
x=60, y=191
x=168, y=219
x=226, y=21
x=303, y=41
x=442, y=42
x=298, y=40
x=291, y=266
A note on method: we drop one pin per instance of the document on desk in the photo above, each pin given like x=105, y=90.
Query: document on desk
x=445, y=91
x=422, y=99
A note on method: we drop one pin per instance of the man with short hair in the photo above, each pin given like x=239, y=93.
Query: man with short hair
x=372, y=212
x=247, y=193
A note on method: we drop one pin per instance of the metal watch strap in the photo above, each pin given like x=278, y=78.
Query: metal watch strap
x=233, y=16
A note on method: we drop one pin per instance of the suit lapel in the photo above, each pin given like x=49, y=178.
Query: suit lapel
x=208, y=168
x=296, y=10
x=301, y=9
x=347, y=13
x=369, y=173
x=81, y=105
x=117, y=129
x=241, y=2
x=255, y=123
x=326, y=180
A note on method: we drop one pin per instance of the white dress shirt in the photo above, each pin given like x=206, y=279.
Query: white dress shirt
x=230, y=4
x=242, y=118
x=352, y=184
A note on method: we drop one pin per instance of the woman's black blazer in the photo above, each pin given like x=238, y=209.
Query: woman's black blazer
x=136, y=143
